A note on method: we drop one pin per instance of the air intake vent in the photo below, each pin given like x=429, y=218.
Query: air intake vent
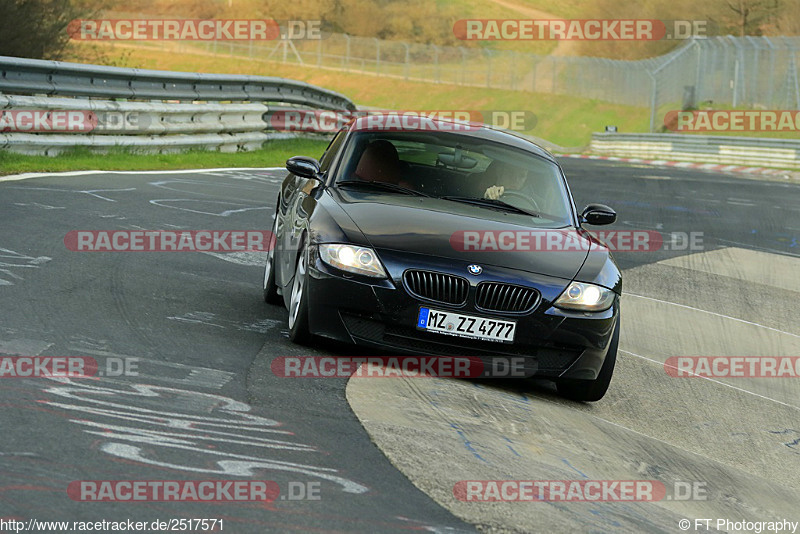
x=440, y=287
x=498, y=297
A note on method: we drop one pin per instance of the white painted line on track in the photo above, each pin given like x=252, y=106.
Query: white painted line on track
x=712, y=313
x=28, y=175
x=660, y=364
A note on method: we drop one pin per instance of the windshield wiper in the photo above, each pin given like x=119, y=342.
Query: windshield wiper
x=492, y=203
x=383, y=185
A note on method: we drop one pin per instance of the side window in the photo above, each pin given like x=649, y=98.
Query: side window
x=331, y=151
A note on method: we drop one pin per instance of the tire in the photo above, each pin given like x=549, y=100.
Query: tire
x=593, y=390
x=271, y=295
x=298, y=301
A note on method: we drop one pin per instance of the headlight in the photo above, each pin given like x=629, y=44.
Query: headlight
x=585, y=297
x=353, y=259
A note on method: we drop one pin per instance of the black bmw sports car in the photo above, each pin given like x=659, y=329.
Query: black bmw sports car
x=452, y=240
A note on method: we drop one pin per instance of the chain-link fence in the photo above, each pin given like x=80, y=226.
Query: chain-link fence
x=747, y=72
x=736, y=72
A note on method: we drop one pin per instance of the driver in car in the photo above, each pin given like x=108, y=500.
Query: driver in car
x=500, y=176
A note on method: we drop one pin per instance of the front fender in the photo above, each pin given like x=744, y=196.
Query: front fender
x=329, y=223
x=601, y=269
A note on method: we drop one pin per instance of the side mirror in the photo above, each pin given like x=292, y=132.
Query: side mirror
x=598, y=214
x=303, y=166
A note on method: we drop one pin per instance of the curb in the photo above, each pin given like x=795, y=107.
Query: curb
x=763, y=171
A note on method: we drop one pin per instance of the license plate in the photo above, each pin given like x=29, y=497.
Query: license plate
x=456, y=324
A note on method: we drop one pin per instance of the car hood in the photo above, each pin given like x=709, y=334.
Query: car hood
x=435, y=227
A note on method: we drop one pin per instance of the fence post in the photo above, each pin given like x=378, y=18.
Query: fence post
x=754, y=92
x=771, y=81
x=489, y=69
x=436, y=61
x=514, y=73
x=653, y=101
x=700, y=58
x=407, y=61
x=726, y=68
x=377, y=56
x=347, y=53
x=463, y=64
x=793, y=74
x=739, y=89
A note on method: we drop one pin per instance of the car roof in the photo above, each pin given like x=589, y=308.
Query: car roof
x=475, y=130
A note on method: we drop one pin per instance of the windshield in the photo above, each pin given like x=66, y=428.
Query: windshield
x=461, y=169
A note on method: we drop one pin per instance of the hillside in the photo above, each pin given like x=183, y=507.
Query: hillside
x=422, y=21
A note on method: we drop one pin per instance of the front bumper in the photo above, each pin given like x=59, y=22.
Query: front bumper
x=553, y=343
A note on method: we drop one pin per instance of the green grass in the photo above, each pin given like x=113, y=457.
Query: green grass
x=564, y=120
x=273, y=154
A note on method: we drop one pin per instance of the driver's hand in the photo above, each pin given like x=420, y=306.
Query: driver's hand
x=494, y=192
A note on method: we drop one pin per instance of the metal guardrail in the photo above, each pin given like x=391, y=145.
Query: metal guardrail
x=161, y=111
x=150, y=118
x=149, y=110
x=56, y=78
x=54, y=144
x=750, y=151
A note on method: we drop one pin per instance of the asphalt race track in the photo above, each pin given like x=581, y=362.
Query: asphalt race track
x=383, y=455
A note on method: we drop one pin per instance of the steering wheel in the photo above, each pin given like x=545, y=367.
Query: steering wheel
x=517, y=194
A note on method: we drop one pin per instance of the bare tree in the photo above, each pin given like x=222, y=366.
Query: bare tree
x=750, y=14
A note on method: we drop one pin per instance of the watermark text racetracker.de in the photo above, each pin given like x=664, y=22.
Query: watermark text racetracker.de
x=577, y=491
x=169, y=240
x=47, y=121
x=216, y=491
x=73, y=121
x=173, y=490
x=409, y=366
x=733, y=366
x=192, y=29
x=579, y=29
x=727, y=120
x=66, y=367
x=446, y=120
x=562, y=240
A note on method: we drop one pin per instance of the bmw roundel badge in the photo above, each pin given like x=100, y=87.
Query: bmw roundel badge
x=475, y=269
